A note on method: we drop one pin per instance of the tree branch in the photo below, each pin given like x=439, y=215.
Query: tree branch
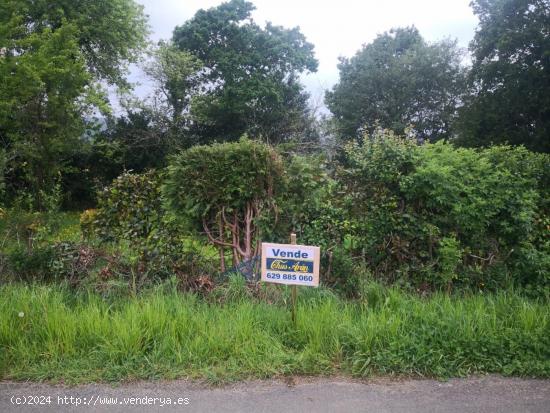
x=211, y=238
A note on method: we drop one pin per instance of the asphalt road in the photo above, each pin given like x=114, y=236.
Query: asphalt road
x=485, y=394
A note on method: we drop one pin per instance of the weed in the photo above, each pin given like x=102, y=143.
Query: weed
x=165, y=334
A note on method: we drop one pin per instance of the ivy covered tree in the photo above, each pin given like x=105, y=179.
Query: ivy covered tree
x=250, y=77
x=398, y=80
x=510, y=76
x=176, y=74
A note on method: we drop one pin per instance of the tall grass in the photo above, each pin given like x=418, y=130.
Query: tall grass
x=78, y=338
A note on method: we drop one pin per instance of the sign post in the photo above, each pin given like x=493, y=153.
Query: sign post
x=291, y=264
x=294, y=290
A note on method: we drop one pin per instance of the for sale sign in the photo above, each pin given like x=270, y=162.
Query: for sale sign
x=290, y=264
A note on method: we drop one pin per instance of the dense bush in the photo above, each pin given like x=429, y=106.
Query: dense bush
x=434, y=215
x=60, y=261
x=87, y=222
x=130, y=215
x=313, y=208
x=148, y=245
x=31, y=265
x=428, y=217
x=130, y=208
x=72, y=262
x=225, y=189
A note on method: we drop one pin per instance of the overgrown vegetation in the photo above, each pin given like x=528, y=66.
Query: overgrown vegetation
x=429, y=217
x=48, y=333
x=435, y=215
x=129, y=244
x=225, y=189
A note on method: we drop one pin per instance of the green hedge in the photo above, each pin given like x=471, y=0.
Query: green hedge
x=435, y=215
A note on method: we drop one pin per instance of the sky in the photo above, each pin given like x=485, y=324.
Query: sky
x=336, y=28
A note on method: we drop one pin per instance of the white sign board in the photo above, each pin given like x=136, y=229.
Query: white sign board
x=290, y=264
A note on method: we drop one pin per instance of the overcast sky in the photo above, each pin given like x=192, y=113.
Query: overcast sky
x=336, y=28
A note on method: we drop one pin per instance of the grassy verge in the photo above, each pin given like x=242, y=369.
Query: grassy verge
x=49, y=333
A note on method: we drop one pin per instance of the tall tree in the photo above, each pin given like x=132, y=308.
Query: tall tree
x=42, y=97
x=111, y=33
x=250, y=75
x=510, y=76
x=398, y=80
x=53, y=56
x=176, y=74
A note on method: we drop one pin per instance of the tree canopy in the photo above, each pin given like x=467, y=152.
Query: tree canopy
x=109, y=33
x=250, y=75
x=53, y=56
x=398, y=80
x=510, y=76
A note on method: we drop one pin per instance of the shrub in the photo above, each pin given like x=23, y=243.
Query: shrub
x=306, y=189
x=225, y=189
x=340, y=272
x=87, y=222
x=150, y=245
x=434, y=215
x=63, y=261
x=72, y=262
x=130, y=208
x=21, y=228
x=31, y=265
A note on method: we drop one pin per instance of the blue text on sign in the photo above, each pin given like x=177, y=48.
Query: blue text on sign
x=289, y=254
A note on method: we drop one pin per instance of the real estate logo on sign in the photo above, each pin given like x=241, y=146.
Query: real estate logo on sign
x=290, y=264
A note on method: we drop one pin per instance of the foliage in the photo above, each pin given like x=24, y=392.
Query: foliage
x=398, y=80
x=311, y=206
x=148, y=246
x=22, y=229
x=31, y=265
x=110, y=33
x=130, y=208
x=133, y=141
x=72, y=262
x=341, y=273
x=205, y=178
x=304, y=192
x=41, y=104
x=436, y=215
x=250, y=77
x=510, y=76
x=130, y=141
x=87, y=222
x=87, y=338
x=431, y=216
x=3, y=162
x=159, y=124
x=53, y=57
x=30, y=242
x=69, y=262
x=225, y=188
x=176, y=74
